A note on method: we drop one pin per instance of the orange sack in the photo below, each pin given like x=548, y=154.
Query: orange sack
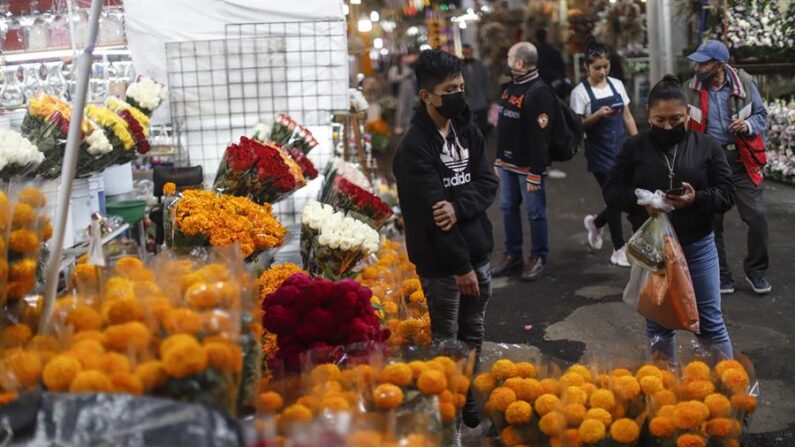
x=668, y=298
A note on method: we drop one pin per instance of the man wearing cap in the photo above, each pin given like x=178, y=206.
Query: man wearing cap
x=725, y=104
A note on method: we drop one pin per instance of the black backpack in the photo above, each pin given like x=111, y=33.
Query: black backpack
x=567, y=133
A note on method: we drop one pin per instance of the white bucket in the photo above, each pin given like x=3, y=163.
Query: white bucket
x=50, y=189
x=82, y=208
x=96, y=185
x=118, y=179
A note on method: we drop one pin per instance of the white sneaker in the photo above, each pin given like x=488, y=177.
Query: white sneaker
x=594, y=233
x=556, y=173
x=457, y=439
x=619, y=257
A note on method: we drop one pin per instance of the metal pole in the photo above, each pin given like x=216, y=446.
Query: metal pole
x=69, y=165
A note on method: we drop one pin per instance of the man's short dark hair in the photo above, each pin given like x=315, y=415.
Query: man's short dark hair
x=467, y=46
x=434, y=66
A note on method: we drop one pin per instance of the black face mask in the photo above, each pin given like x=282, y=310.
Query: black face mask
x=452, y=104
x=666, y=138
x=705, y=76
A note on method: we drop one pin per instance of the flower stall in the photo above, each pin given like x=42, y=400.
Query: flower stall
x=781, y=141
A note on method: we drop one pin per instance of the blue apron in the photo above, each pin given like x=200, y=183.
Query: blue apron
x=605, y=137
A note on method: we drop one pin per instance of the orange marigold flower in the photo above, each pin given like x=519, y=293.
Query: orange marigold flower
x=552, y=423
x=85, y=276
x=575, y=414
x=651, y=384
x=626, y=388
x=484, y=383
x=91, y=382
x=664, y=397
x=700, y=389
x=182, y=321
x=169, y=189
x=94, y=335
x=126, y=382
x=431, y=382
x=666, y=411
x=625, y=431
x=697, y=370
x=648, y=370
x=269, y=402
x=600, y=415
x=689, y=416
x=689, y=440
x=719, y=405
x=83, y=318
x=510, y=437
x=327, y=372
x=219, y=356
x=551, y=386
x=571, y=379
x=387, y=396
x=32, y=196
x=183, y=359
x=44, y=343
x=603, y=399
x=87, y=345
x=525, y=389
x=23, y=241
x=16, y=335
x=23, y=216
x=123, y=310
x=546, y=403
x=398, y=373
x=46, y=230
x=720, y=428
x=447, y=411
x=744, y=402
x=128, y=336
x=592, y=431
x=8, y=397
x=24, y=368
x=152, y=374
x=59, y=372
x=335, y=403
x=726, y=365
x=526, y=370
x=274, y=277
x=662, y=427
x=504, y=369
x=518, y=413
x=735, y=379
x=620, y=372
x=575, y=395
x=502, y=397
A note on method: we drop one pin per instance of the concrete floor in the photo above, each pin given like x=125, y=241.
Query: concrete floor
x=576, y=309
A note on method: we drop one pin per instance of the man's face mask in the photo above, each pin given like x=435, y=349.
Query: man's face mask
x=706, y=75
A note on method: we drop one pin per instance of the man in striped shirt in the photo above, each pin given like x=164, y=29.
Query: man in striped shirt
x=526, y=109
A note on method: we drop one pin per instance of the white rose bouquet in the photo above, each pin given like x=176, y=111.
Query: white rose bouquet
x=335, y=242
x=146, y=94
x=18, y=156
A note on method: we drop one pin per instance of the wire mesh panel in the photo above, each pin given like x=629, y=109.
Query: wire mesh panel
x=221, y=89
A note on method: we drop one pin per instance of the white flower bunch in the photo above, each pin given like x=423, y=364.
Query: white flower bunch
x=17, y=152
x=147, y=93
x=262, y=132
x=98, y=143
x=338, y=231
x=357, y=100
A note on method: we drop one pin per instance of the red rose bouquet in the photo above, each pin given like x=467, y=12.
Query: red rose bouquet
x=359, y=202
x=307, y=167
x=310, y=313
x=261, y=171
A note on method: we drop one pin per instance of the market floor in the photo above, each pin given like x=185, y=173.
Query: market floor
x=576, y=309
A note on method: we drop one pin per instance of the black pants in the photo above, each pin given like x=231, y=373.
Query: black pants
x=610, y=216
x=750, y=202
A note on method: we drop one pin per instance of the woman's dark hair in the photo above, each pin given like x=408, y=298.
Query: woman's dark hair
x=669, y=88
x=434, y=66
x=595, y=50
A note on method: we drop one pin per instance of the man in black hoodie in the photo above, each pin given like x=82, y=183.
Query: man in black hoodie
x=445, y=186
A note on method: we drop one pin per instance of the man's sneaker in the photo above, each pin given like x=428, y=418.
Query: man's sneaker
x=594, y=233
x=759, y=284
x=534, y=268
x=619, y=257
x=508, y=265
x=456, y=439
x=726, y=286
x=556, y=173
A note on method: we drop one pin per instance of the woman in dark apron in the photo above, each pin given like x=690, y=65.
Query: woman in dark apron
x=602, y=102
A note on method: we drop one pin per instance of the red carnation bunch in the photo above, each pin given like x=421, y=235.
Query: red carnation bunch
x=348, y=196
x=262, y=172
x=315, y=313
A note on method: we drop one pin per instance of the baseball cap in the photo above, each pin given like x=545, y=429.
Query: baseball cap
x=710, y=50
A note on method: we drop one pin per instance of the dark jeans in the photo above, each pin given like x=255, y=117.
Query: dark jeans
x=458, y=317
x=513, y=191
x=610, y=216
x=750, y=202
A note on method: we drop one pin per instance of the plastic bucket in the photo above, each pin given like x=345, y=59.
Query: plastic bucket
x=82, y=208
x=50, y=189
x=118, y=179
x=96, y=185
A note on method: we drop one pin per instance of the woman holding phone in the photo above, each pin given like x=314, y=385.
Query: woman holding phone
x=692, y=169
x=602, y=103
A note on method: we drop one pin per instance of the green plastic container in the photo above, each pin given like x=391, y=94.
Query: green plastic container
x=130, y=211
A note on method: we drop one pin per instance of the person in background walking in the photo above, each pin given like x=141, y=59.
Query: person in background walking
x=478, y=89
x=445, y=185
x=526, y=109
x=551, y=66
x=725, y=104
x=402, y=75
x=603, y=104
x=692, y=169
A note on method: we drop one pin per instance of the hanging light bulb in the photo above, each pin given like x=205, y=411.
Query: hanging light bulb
x=374, y=16
x=365, y=26
x=378, y=43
